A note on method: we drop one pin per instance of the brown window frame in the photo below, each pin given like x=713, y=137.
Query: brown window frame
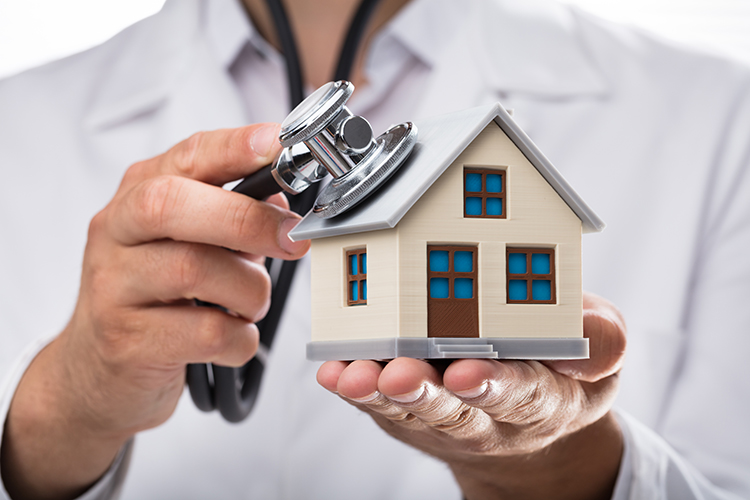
x=355, y=278
x=529, y=277
x=484, y=195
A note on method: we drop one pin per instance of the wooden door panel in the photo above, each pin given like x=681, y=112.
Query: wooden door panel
x=453, y=318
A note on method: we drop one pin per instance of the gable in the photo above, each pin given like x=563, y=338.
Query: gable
x=441, y=140
x=533, y=208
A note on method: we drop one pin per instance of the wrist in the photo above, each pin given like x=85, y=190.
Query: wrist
x=582, y=465
x=51, y=449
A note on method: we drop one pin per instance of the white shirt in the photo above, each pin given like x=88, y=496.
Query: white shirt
x=654, y=139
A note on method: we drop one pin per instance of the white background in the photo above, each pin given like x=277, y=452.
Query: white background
x=33, y=32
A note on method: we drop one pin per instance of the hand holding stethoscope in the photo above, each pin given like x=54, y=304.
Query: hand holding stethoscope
x=319, y=136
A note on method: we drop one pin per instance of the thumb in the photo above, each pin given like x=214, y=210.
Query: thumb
x=604, y=326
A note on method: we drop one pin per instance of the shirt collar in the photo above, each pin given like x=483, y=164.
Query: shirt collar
x=524, y=46
x=228, y=29
x=530, y=46
x=418, y=27
x=424, y=27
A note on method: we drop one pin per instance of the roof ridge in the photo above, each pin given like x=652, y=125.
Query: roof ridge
x=441, y=140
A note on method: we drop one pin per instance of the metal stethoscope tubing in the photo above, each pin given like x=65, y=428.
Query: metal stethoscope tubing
x=234, y=390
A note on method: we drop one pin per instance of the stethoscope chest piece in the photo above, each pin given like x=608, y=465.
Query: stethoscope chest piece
x=389, y=153
x=343, y=144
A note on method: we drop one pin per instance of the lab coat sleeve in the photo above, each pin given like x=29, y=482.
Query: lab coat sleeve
x=706, y=416
x=701, y=446
x=652, y=470
x=110, y=484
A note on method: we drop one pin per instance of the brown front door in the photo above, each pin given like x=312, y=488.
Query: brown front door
x=452, y=289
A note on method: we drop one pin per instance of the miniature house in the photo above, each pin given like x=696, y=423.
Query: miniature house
x=472, y=249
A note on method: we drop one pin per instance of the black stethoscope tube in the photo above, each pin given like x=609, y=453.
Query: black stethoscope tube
x=234, y=390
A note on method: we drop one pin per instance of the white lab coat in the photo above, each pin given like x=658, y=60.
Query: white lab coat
x=654, y=139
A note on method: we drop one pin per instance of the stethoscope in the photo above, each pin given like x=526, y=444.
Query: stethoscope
x=320, y=136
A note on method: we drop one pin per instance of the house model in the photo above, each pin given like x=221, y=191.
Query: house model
x=471, y=250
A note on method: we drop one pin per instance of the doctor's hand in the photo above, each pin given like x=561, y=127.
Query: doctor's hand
x=507, y=429
x=119, y=365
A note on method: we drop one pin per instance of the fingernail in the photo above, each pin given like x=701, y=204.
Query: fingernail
x=408, y=397
x=264, y=139
x=367, y=399
x=285, y=241
x=474, y=392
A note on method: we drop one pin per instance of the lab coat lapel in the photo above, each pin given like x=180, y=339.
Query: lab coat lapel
x=166, y=78
x=533, y=48
x=205, y=99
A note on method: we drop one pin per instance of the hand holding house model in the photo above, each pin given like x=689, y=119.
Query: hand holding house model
x=473, y=250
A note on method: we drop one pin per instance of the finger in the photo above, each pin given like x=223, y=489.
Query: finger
x=528, y=394
x=186, y=210
x=279, y=199
x=416, y=386
x=515, y=392
x=166, y=271
x=604, y=326
x=253, y=257
x=408, y=392
x=329, y=373
x=358, y=384
x=181, y=335
x=215, y=157
x=359, y=380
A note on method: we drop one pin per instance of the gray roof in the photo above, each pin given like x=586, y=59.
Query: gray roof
x=441, y=140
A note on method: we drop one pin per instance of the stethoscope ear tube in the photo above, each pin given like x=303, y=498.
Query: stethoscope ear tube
x=201, y=390
x=233, y=403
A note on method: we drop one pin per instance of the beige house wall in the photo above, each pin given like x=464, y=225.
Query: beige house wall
x=397, y=258
x=332, y=319
x=537, y=217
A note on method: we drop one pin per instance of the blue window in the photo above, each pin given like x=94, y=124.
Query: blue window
x=439, y=261
x=540, y=263
x=356, y=277
x=473, y=206
x=463, y=288
x=452, y=272
x=494, y=183
x=517, y=263
x=474, y=182
x=484, y=193
x=531, y=275
x=439, y=288
x=463, y=261
x=541, y=290
x=517, y=290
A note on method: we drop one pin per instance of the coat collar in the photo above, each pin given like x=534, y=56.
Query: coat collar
x=529, y=47
x=161, y=57
x=536, y=47
x=144, y=64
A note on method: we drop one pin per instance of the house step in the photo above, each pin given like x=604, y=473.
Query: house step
x=464, y=347
x=465, y=350
x=468, y=354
